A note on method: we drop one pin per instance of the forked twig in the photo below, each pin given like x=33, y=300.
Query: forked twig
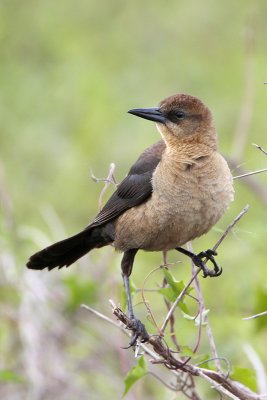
x=110, y=179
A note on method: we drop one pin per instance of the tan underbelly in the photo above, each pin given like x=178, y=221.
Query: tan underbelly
x=179, y=211
x=155, y=226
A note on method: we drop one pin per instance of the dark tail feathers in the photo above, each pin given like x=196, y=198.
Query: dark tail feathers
x=66, y=252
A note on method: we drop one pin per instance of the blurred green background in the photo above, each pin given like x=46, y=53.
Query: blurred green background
x=69, y=72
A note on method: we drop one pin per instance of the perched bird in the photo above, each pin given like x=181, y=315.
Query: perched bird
x=176, y=191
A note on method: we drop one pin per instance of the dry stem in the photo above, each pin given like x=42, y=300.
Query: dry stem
x=161, y=354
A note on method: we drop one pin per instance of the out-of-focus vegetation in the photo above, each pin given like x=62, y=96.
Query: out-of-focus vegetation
x=69, y=72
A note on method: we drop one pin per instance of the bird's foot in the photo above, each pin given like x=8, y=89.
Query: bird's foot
x=135, y=325
x=209, y=255
x=138, y=331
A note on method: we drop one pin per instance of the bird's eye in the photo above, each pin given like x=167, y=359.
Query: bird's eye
x=180, y=115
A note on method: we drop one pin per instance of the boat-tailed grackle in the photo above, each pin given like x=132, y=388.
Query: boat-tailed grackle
x=175, y=192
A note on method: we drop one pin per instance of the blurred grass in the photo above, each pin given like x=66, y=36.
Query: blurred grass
x=69, y=72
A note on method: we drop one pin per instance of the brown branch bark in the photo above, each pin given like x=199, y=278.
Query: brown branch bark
x=220, y=382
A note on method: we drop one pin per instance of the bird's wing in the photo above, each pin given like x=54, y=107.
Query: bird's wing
x=135, y=188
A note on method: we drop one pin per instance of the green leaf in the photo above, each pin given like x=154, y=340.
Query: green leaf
x=168, y=293
x=10, y=376
x=204, y=361
x=136, y=373
x=189, y=317
x=244, y=375
x=183, y=306
x=172, y=292
x=177, y=286
x=201, y=359
x=185, y=351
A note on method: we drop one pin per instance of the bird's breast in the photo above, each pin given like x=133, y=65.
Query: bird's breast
x=186, y=202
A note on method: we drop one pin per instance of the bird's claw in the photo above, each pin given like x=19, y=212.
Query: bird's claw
x=209, y=254
x=138, y=332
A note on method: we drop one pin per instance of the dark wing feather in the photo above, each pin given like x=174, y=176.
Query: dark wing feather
x=135, y=188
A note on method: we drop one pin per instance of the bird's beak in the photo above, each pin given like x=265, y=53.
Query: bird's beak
x=153, y=114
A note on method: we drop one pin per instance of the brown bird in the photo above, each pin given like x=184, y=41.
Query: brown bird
x=176, y=191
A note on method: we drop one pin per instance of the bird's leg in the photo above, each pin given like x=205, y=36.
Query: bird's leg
x=198, y=261
x=136, y=326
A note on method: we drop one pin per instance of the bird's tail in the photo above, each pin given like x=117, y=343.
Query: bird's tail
x=67, y=251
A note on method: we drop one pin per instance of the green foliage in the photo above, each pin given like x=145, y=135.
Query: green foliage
x=136, y=373
x=244, y=375
x=174, y=289
x=186, y=351
x=203, y=361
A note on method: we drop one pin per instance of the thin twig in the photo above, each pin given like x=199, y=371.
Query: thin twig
x=254, y=185
x=213, y=346
x=201, y=306
x=260, y=148
x=230, y=227
x=168, y=305
x=110, y=179
x=144, y=299
x=172, y=319
x=255, y=316
x=102, y=316
x=171, y=387
x=259, y=171
x=258, y=367
x=201, y=309
x=178, y=299
x=228, y=365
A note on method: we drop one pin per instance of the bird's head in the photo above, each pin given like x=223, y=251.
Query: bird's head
x=181, y=117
